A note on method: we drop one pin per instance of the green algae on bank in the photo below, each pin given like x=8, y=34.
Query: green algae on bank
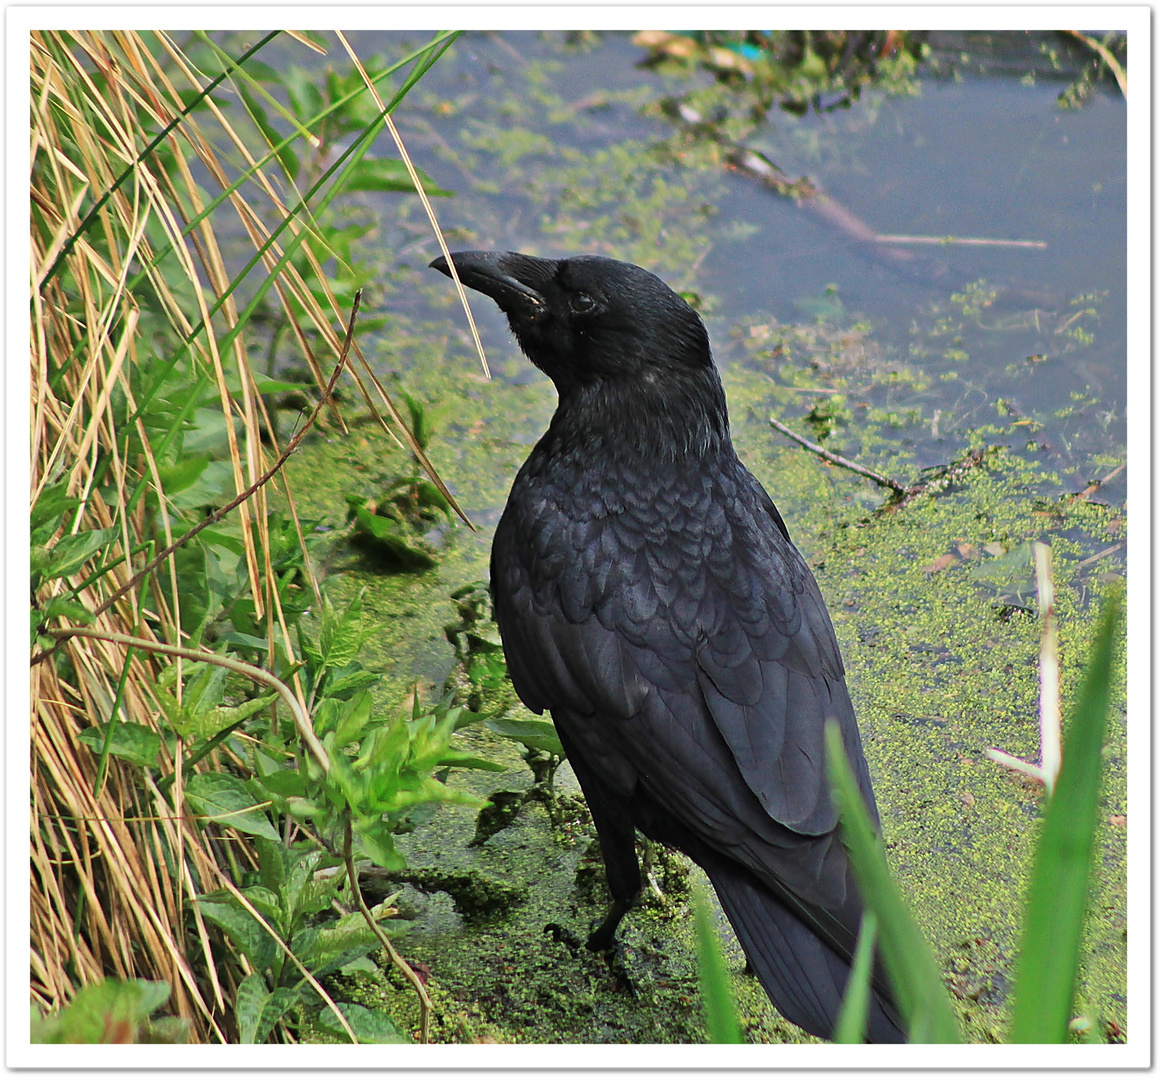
x=959, y=829
x=930, y=601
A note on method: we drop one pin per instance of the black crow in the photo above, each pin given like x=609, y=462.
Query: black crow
x=648, y=595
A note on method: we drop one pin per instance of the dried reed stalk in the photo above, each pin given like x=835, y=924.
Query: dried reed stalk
x=127, y=264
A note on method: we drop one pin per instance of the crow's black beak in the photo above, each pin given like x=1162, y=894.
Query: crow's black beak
x=507, y=276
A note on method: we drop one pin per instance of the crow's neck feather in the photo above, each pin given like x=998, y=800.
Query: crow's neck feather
x=655, y=415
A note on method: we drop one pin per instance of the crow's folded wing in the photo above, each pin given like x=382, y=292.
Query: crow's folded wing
x=698, y=646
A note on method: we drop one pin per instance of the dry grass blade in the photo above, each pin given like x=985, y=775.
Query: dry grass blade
x=137, y=347
x=1049, y=707
x=390, y=125
x=1108, y=58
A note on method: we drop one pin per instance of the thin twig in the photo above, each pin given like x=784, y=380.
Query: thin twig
x=1049, y=707
x=836, y=459
x=302, y=721
x=220, y=513
x=1049, y=711
x=1099, y=555
x=1090, y=489
x=1108, y=57
x=401, y=964
x=419, y=186
x=963, y=241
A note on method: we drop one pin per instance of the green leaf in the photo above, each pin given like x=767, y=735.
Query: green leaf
x=387, y=539
x=110, y=1011
x=52, y=505
x=369, y=1027
x=1056, y=910
x=487, y=669
x=241, y=927
x=353, y=719
x=534, y=734
x=183, y=474
x=915, y=979
x=714, y=980
x=345, y=685
x=377, y=174
x=271, y=862
x=62, y=607
x=350, y=783
x=380, y=846
x=213, y=486
x=279, y=386
x=72, y=552
x=136, y=743
x=266, y=902
x=852, y=1022
x=244, y=641
x=258, y=1009
x=226, y=799
x=233, y=544
x=199, y=716
x=1010, y=572
x=386, y=748
x=207, y=724
x=469, y=761
x=342, y=635
x=285, y=783
x=350, y=936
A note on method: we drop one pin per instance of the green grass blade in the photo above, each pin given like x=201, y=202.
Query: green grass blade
x=714, y=981
x=1056, y=910
x=915, y=979
x=853, y=1019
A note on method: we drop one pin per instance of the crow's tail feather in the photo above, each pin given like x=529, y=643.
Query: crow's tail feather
x=804, y=977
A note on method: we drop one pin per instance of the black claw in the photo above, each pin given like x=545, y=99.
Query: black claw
x=615, y=957
x=564, y=936
x=602, y=938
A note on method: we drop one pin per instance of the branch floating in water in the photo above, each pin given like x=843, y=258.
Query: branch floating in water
x=964, y=241
x=836, y=459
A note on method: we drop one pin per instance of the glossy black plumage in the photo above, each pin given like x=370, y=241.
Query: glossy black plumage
x=649, y=597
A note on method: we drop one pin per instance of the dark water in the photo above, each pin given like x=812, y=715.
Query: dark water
x=555, y=147
x=522, y=127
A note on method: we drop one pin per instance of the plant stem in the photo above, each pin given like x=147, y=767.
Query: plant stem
x=302, y=721
x=401, y=964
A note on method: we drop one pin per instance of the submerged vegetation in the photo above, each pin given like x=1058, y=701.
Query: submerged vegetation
x=292, y=742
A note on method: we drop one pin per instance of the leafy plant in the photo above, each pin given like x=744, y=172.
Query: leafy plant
x=149, y=420
x=397, y=527
x=111, y=1011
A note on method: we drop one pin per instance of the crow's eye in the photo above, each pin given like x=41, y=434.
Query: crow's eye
x=581, y=303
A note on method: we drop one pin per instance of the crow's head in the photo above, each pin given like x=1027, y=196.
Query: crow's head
x=588, y=318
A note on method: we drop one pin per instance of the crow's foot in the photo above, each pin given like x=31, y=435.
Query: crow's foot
x=615, y=957
x=564, y=936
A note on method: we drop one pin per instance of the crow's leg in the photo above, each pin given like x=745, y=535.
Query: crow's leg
x=615, y=824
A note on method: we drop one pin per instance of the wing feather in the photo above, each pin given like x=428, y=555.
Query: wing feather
x=701, y=655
